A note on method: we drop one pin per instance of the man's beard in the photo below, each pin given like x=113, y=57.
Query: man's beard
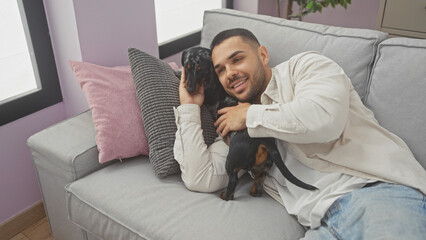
x=257, y=84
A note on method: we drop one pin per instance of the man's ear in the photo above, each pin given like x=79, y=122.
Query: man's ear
x=264, y=55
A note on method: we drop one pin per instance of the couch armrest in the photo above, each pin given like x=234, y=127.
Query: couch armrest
x=62, y=154
x=68, y=147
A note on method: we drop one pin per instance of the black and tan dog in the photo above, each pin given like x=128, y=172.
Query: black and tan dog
x=245, y=153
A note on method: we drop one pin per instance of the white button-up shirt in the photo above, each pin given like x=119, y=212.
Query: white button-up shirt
x=325, y=135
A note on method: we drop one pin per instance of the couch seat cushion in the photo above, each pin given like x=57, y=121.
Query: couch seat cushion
x=127, y=201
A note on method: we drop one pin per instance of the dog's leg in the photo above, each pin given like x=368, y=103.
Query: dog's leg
x=228, y=194
x=260, y=170
x=259, y=178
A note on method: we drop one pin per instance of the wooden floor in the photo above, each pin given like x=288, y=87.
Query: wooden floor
x=38, y=231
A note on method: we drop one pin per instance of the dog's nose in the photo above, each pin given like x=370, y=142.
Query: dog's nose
x=190, y=86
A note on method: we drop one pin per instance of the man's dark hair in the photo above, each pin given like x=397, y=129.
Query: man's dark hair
x=245, y=34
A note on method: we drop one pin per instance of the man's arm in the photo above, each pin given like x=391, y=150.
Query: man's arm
x=318, y=109
x=203, y=168
x=316, y=113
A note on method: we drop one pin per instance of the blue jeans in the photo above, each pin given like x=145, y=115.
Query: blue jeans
x=382, y=211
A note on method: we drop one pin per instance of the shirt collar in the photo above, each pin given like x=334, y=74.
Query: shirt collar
x=270, y=94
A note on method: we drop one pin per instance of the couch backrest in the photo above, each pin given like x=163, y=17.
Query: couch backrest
x=397, y=91
x=353, y=49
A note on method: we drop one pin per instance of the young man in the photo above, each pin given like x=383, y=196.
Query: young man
x=369, y=182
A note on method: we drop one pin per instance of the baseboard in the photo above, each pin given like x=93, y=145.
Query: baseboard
x=22, y=221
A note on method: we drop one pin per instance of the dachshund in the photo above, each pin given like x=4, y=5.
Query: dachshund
x=245, y=153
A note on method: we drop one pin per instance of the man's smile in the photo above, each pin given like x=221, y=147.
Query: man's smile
x=239, y=84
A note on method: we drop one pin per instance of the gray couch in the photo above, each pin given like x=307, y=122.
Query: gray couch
x=125, y=200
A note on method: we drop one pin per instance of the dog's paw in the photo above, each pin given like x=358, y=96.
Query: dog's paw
x=224, y=197
x=256, y=192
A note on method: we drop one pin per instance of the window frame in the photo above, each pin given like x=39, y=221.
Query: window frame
x=49, y=92
x=171, y=48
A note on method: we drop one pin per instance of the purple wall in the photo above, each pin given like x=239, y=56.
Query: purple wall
x=18, y=185
x=359, y=14
x=104, y=30
x=82, y=30
x=104, y=39
x=250, y=6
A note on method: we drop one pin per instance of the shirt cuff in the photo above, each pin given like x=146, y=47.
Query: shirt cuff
x=254, y=118
x=187, y=113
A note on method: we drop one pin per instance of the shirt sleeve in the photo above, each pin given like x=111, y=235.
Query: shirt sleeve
x=203, y=168
x=318, y=110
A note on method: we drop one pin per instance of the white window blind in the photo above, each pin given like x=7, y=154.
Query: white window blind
x=177, y=18
x=17, y=75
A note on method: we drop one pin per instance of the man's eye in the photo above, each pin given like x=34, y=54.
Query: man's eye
x=219, y=71
x=237, y=59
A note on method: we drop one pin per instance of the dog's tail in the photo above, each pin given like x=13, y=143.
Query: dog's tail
x=276, y=158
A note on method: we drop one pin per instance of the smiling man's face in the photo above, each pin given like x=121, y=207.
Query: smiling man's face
x=242, y=68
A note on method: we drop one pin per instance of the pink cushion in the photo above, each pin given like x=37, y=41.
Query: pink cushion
x=111, y=95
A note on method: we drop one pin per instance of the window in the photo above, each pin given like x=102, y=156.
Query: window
x=179, y=23
x=28, y=78
x=16, y=70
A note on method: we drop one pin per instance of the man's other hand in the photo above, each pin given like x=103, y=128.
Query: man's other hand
x=232, y=119
x=185, y=97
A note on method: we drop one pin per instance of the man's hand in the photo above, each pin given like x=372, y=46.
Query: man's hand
x=187, y=98
x=232, y=119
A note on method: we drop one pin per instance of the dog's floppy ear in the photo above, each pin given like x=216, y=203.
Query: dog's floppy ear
x=184, y=56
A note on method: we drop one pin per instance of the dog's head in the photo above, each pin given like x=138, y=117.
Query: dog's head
x=198, y=65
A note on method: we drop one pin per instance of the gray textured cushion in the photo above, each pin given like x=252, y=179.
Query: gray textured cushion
x=157, y=92
x=397, y=93
x=353, y=49
x=127, y=201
